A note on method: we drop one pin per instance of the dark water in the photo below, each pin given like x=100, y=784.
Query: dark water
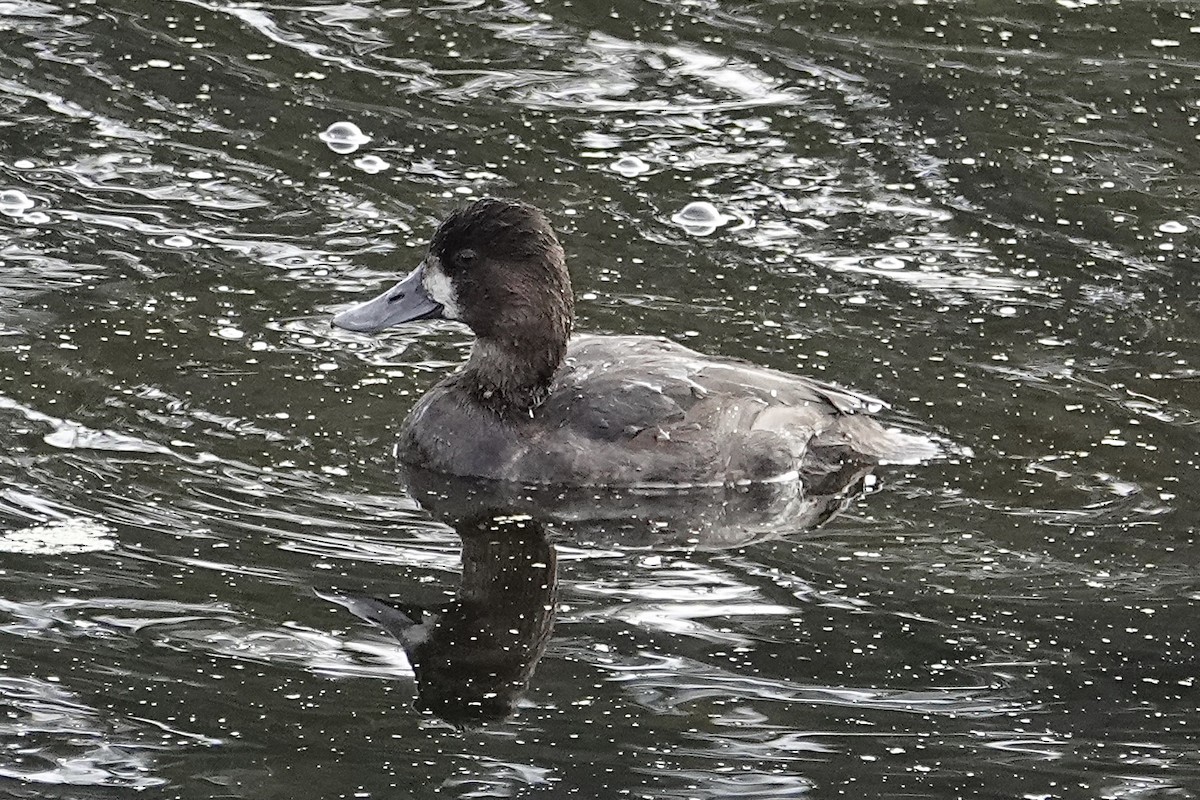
x=984, y=212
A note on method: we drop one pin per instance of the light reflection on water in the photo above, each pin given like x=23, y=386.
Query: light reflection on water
x=983, y=214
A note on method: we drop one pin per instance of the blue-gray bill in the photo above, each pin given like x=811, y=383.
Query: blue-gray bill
x=405, y=302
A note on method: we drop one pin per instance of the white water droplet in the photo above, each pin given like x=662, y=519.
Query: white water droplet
x=1173, y=227
x=230, y=333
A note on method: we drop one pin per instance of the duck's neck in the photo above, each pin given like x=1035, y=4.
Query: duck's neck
x=513, y=378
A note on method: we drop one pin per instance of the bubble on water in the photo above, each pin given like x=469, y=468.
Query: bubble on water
x=200, y=175
x=343, y=137
x=629, y=166
x=1173, y=227
x=231, y=333
x=178, y=240
x=890, y=263
x=24, y=163
x=700, y=218
x=1006, y=311
x=371, y=164
x=14, y=202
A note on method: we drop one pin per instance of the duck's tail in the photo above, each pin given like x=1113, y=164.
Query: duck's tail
x=870, y=440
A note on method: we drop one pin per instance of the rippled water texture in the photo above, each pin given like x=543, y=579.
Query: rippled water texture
x=984, y=212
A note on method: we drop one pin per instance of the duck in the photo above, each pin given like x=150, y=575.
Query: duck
x=536, y=405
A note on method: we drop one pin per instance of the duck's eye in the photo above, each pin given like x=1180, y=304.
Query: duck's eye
x=465, y=258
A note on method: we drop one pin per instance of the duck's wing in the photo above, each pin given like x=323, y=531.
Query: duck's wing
x=624, y=384
x=646, y=390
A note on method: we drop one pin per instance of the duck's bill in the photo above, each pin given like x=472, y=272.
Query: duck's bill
x=405, y=302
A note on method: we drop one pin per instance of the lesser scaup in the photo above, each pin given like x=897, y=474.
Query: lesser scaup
x=534, y=405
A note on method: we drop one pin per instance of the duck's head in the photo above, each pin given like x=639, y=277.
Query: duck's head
x=496, y=266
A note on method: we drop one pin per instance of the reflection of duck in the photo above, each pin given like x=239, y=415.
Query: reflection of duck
x=533, y=407
x=474, y=657
x=708, y=518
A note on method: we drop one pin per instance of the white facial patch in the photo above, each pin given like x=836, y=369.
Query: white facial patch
x=439, y=286
x=419, y=634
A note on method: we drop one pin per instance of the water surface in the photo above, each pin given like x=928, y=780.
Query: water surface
x=984, y=213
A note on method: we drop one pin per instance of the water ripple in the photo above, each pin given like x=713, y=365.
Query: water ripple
x=660, y=683
x=56, y=739
x=983, y=216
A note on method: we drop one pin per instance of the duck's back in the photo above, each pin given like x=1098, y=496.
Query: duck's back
x=633, y=410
